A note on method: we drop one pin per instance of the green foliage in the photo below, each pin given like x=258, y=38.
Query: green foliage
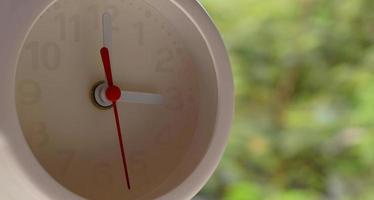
x=243, y=191
x=304, y=80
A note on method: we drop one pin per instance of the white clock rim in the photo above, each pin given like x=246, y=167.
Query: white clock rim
x=34, y=181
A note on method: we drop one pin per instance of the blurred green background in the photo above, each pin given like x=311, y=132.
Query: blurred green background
x=304, y=79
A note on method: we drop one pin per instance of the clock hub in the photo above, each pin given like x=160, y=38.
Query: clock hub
x=99, y=97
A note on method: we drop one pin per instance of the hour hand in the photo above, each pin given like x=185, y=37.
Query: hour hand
x=141, y=97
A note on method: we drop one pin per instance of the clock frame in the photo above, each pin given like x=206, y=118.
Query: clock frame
x=22, y=172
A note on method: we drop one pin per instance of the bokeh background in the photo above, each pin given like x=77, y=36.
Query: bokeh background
x=304, y=79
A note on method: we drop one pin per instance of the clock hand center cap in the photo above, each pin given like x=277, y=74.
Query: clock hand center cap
x=113, y=93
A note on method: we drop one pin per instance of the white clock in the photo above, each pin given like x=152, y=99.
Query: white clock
x=114, y=99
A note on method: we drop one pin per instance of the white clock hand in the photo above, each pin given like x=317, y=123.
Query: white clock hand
x=141, y=97
x=127, y=97
x=107, y=31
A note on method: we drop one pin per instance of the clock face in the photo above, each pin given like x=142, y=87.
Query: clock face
x=71, y=136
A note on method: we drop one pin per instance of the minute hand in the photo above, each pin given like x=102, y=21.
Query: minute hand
x=141, y=97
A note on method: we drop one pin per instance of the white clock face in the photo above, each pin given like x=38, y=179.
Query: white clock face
x=75, y=140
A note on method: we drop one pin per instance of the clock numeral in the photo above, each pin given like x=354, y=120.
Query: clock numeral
x=34, y=49
x=48, y=54
x=139, y=168
x=28, y=92
x=75, y=21
x=102, y=174
x=94, y=10
x=190, y=100
x=77, y=27
x=166, y=57
x=164, y=136
x=66, y=159
x=39, y=137
x=139, y=163
x=62, y=22
x=174, y=99
x=140, y=30
x=51, y=55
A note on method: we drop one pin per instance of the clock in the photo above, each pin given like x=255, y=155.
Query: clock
x=115, y=99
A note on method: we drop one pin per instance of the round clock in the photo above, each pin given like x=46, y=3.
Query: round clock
x=115, y=99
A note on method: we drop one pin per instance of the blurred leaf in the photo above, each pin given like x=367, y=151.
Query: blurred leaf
x=243, y=191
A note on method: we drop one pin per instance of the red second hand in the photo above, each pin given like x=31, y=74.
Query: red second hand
x=121, y=144
x=113, y=93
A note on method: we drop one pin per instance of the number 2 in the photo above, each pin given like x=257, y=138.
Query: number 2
x=166, y=57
